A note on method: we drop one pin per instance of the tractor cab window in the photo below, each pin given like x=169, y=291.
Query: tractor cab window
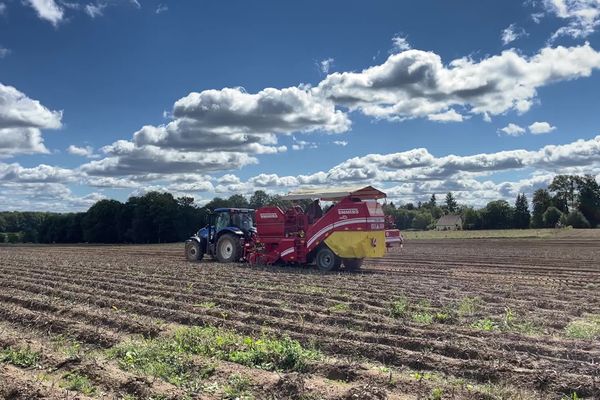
x=242, y=221
x=223, y=221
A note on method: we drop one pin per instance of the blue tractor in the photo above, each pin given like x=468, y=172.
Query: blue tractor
x=224, y=236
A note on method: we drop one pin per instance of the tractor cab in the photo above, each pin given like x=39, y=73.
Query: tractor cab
x=224, y=236
x=233, y=219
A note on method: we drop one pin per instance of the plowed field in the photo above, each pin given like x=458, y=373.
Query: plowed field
x=473, y=319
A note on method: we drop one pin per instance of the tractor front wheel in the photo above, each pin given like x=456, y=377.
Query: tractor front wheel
x=352, y=264
x=229, y=248
x=327, y=260
x=192, y=251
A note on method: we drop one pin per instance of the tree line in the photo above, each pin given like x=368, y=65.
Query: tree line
x=569, y=200
x=156, y=217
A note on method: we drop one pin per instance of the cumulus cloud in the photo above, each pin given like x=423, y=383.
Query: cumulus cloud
x=45, y=196
x=399, y=44
x=512, y=33
x=325, y=65
x=125, y=158
x=4, y=52
x=86, y=151
x=414, y=174
x=582, y=16
x=419, y=166
x=416, y=83
x=48, y=10
x=39, y=174
x=342, y=143
x=513, y=130
x=21, y=121
x=220, y=130
x=303, y=144
x=446, y=116
x=538, y=128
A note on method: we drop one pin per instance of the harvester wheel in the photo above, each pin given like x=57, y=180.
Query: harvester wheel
x=352, y=264
x=229, y=248
x=327, y=260
x=192, y=251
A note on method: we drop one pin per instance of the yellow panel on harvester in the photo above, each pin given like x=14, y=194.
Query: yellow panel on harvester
x=357, y=244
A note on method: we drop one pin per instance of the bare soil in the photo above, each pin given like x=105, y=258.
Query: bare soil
x=529, y=289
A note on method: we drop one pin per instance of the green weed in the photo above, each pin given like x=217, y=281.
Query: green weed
x=422, y=317
x=267, y=353
x=160, y=358
x=237, y=388
x=206, y=305
x=421, y=376
x=22, y=357
x=399, y=307
x=584, y=328
x=436, y=394
x=468, y=306
x=512, y=322
x=485, y=324
x=77, y=382
x=340, y=308
x=442, y=317
x=67, y=346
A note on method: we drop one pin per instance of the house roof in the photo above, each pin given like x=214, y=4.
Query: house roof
x=450, y=220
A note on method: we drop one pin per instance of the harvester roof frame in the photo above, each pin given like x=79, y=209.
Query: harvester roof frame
x=336, y=193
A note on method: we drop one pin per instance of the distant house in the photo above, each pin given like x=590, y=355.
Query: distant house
x=449, y=223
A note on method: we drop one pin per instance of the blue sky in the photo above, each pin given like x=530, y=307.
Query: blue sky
x=116, y=97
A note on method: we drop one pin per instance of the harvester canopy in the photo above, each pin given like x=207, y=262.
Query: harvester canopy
x=336, y=193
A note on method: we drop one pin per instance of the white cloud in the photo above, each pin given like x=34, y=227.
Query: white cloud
x=513, y=130
x=448, y=116
x=161, y=8
x=45, y=196
x=86, y=151
x=416, y=83
x=407, y=176
x=538, y=128
x=303, y=144
x=325, y=65
x=512, y=33
x=399, y=44
x=220, y=130
x=2, y=8
x=21, y=121
x=95, y=10
x=4, y=52
x=39, y=174
x=48, y=10
x=582, y=16
x=416, y=174
x=342, y=143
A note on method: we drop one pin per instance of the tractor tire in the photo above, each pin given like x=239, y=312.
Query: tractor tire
x=192, y=251
x=326, y=260
x=352, y=264
x=228, y=249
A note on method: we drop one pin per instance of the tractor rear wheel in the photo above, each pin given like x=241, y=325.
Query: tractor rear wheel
x=352, y=264
x=326, y=259
x=229, y=248
x=192, y=251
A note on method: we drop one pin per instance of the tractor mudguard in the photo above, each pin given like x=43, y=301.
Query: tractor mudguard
x=201, y=242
